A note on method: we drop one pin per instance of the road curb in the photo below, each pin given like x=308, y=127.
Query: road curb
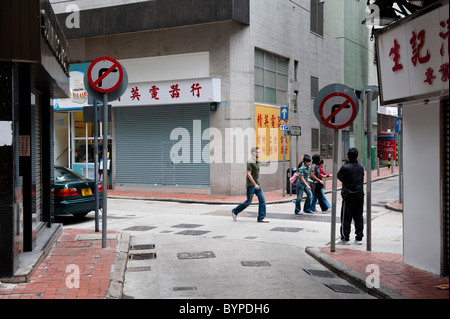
x=119, y=267
x=354, y=277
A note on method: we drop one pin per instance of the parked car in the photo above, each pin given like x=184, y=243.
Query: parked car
x=73, y=193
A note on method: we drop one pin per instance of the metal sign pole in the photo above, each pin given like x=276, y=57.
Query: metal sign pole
x=334, y=191
x=284, y=159
x=400, y=158
x=290, y=164
x=97, y=228
x=105, y=167
x=369, y=170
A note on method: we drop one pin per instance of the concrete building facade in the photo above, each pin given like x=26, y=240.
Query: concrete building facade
x=236, y=43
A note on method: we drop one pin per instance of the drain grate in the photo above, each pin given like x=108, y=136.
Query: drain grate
x=139, y=228
x=287, y=229
x=142, y=256
x=192, y=232
x=142, y=247
x=138, y=269
x=319, y=273
x=184, y=288
x=187, y=226
x=196, y=255
x=343, y=288
x=256, y=263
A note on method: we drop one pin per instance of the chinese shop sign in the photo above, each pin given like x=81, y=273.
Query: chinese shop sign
x=269, y=138
x=413, y=57
x=188, y=91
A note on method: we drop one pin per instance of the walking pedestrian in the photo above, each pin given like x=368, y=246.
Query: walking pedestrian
x=303, y=186
x=253, y=188
x=319, y=172
x=352, y=177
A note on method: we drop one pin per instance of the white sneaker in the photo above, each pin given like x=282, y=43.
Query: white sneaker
x=343, y=242
x=358, y=242
x=234, y=215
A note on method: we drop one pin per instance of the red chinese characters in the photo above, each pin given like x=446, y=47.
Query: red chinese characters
x=154, y=92
x=175, y=91
x=444, y=71
x=429, y=76
x=422, y=53
x=196, y=88
x=395, y=51
x=444, y=35
x=417, y=42
x=135, y=94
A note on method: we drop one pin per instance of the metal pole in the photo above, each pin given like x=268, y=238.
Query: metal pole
x=334, y=191
x=400, y=159
x=369, y=170
x=105, y=167
x=284, y=159
x=377, y=164
x=97, y=228
x=290, y=164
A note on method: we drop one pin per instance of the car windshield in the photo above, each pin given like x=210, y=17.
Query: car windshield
x=62, y=174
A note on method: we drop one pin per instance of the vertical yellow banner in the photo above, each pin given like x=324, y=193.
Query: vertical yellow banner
x=269, y=138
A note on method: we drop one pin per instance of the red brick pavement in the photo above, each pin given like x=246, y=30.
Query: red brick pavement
x=411, y=282
x=55, y=276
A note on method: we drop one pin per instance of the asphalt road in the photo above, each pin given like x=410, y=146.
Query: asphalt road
x=197, y=251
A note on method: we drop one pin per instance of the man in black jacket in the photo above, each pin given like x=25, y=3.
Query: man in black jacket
x=352, y=177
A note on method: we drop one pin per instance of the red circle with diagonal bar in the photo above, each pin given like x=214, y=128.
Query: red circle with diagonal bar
x=333, y=113
x=102, y=74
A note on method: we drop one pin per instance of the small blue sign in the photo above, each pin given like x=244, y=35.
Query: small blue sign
x=284, y=113
x=398, y=125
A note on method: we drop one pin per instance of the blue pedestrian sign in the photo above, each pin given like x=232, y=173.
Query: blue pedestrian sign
x=398, y=125
x=284, y=113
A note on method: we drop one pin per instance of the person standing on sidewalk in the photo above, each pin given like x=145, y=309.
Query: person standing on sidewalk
x=303, y=186
x=352, y=177
x=253, y=187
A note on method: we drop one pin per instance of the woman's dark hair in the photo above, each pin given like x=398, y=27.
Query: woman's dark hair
x=306, y=158
x=316, y=158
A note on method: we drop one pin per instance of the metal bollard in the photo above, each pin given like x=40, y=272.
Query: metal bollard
x=389, y=162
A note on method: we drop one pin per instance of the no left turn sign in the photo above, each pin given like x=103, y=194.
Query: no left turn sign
x=105, y=74
x=336, y=106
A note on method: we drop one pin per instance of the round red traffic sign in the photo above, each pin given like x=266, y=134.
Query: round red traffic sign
x=105, y=74
x=337, y=110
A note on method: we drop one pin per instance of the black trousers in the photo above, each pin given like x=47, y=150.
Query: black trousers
x=352, y=209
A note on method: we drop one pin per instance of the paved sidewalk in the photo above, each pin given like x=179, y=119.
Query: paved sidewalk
x=397, y=280
x=77, y=267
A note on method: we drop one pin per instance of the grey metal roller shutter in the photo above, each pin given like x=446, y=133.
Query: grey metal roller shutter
x=143, y=146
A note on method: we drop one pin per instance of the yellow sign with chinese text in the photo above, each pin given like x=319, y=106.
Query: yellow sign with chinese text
x=269, y=138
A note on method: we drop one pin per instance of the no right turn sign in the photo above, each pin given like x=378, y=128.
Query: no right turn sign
x=336, y=106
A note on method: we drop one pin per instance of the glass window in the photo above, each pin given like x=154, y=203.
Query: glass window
x=271, y=78
x=259, y=76
x=259, y=58
x=259, y=93
x=80, y=151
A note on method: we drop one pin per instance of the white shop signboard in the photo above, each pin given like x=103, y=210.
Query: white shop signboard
x=192, y=86
x=413, y=57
